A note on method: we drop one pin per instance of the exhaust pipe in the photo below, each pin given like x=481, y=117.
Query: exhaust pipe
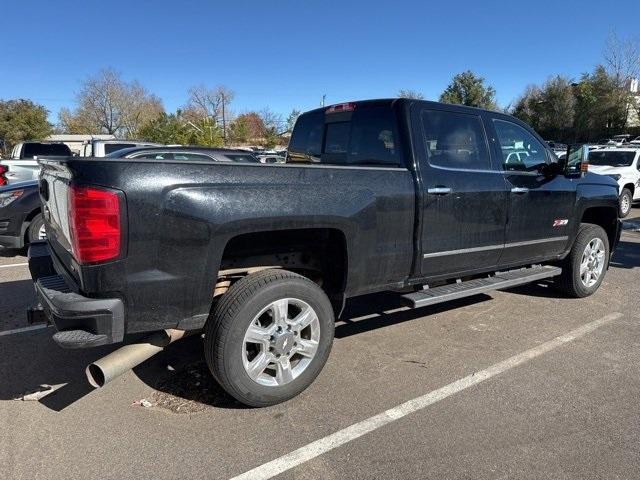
x=105, y=369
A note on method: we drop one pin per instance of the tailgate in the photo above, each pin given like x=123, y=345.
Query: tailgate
x=54, y=187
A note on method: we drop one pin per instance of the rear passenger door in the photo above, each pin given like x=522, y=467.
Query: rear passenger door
x=539, y=206
x=463, y=198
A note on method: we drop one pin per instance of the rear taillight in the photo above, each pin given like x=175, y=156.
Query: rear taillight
x=94, y=220
x=3, y=179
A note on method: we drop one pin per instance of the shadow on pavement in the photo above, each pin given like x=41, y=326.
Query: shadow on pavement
x=31, y=359
x=12, y=252
x=376, y=306
x=179, y=374
x=627, y=255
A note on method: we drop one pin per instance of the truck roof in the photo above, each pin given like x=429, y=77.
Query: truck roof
x=391, y=101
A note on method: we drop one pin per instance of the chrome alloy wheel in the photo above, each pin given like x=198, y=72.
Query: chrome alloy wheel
x=593, y=261
x=625, y=204
x=42, y=233
x=281, y=342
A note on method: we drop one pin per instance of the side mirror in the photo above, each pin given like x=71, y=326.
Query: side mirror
x=552, y=169
x=576, y=162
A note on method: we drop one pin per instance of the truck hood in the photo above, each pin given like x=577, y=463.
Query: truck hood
x=19, y=185
x=607, y=170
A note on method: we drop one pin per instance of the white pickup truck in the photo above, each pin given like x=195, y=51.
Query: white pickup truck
x=23, y=164
x=623, y=165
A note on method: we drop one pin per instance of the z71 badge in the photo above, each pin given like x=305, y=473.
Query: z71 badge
x=560, y=222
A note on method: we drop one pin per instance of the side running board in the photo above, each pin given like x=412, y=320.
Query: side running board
x=500, y=280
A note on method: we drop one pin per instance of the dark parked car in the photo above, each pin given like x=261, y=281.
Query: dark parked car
x=443, y=201
x=20, y=219
x=186, y=153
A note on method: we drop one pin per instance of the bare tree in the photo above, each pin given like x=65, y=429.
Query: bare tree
x=621, y=59
x=210, y=103
x=408, y=93
x=622, y=65
x=108, y=104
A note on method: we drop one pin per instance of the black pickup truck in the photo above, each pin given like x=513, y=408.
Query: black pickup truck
x=434, y=201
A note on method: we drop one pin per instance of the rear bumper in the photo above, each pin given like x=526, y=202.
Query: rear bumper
x=81, y=321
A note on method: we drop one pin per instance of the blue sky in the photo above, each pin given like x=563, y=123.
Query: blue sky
x=286, y=54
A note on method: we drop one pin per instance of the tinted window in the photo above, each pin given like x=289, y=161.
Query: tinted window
x=114, y=147
x=191, y=156
x=31, y=150
x=365, y=136
x=521, y=151
x=337, y=137
x=154, y=155
x=241, y=157
x=455, y=140
x=306, y=139
x=611, y=158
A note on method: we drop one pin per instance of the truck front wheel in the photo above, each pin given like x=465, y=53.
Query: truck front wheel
x=626, y=200
x=584, y=268
x=269, y=337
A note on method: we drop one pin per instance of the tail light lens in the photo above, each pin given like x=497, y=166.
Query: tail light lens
x=3, y=179
x=94, y=220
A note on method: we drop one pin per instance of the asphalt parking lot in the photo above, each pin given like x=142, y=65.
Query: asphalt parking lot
x=517, y=384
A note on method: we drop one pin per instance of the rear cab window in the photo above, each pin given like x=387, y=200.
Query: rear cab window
x=359, y=134
x=31, y=150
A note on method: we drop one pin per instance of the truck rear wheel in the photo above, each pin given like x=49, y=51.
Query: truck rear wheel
x=269, y=337
x=584, y=268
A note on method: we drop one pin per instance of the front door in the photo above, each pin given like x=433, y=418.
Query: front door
x=540, y=206
x=463, y=198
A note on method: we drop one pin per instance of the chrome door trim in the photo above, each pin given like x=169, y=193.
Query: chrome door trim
x=494, y=247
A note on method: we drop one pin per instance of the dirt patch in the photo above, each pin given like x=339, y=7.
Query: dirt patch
x=190, y=389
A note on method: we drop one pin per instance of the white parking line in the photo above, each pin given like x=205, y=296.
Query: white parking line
x=14, y=265
x=23, y=329
x=341, y=437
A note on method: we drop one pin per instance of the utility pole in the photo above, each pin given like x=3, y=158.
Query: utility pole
x=324, y=97
x=224, y=122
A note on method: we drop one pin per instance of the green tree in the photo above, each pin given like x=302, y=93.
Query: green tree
x=549, y=109
x=408, y=93
x=239, y=130
x=22, y=120
x=601, y=106
x=467, y=88
x=165, y=128
x=175, y=129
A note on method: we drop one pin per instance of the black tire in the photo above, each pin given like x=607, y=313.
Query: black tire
x=570, y=281
x=234, y=312
x=33, y=231
x=626, y=199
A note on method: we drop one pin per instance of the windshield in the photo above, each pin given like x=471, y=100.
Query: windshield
x=31, y=150
x=611, y=158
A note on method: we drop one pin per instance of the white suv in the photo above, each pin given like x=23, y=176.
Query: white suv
x=621, y=164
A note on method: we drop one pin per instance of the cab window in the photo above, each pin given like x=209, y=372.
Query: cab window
x=521, y=151
x=363, y=136
x=455, y=140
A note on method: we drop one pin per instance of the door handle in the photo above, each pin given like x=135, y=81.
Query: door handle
x=519, y=190
x=439, y=190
